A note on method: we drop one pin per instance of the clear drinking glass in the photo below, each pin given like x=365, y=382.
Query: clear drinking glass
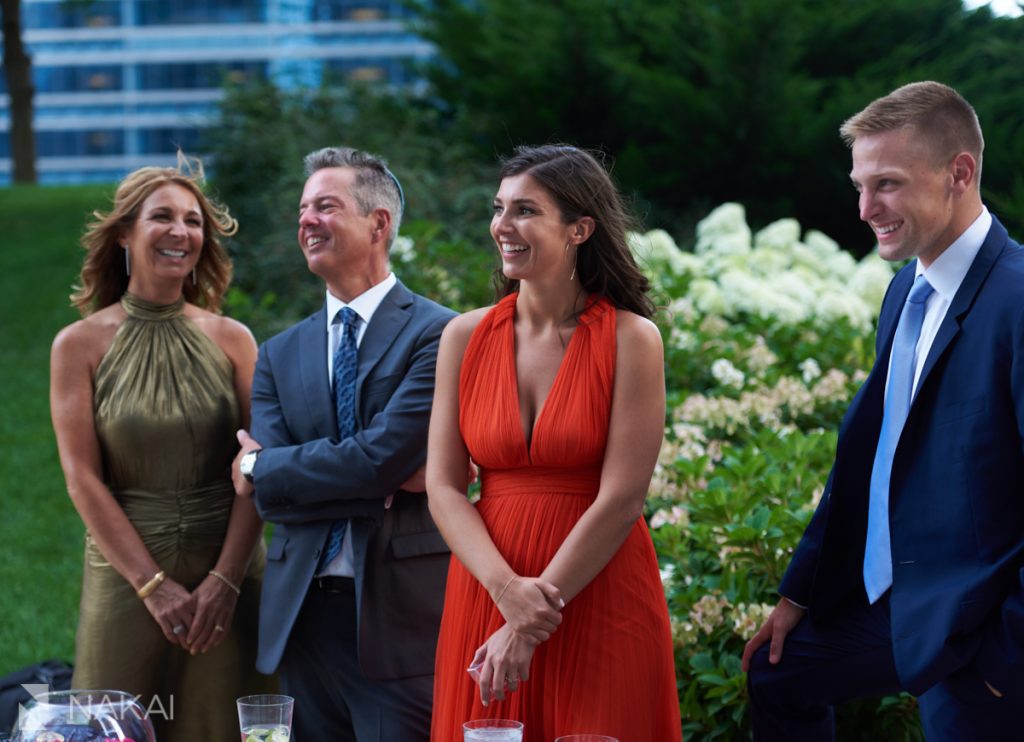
x=492, y=730
x=266, y=717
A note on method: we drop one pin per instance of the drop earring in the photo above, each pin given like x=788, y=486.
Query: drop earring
x=127, y=261
x=575, y=256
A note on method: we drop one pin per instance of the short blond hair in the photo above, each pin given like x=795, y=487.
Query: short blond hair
x=936, y=111
x=104, y=279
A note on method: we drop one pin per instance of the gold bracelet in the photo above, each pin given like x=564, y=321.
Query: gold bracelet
x=226, y=581
x=150, y=587
x=513, y=579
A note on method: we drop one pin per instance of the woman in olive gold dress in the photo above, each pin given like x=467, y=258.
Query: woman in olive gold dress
x=147, y=391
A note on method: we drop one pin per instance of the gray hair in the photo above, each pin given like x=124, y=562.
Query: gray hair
x=375, y=186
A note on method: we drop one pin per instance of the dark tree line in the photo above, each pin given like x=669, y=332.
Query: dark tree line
x=697, y=101
x=704, y=101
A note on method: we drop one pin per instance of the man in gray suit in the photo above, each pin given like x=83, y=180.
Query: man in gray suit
x=356, y=569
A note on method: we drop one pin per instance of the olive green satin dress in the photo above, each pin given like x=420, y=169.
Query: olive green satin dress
x=166, y=415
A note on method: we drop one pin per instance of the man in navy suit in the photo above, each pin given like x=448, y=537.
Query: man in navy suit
x=910, y=575
x=356, y=569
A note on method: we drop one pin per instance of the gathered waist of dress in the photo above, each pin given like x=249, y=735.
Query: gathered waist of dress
x=200, y=512
x=540, y=480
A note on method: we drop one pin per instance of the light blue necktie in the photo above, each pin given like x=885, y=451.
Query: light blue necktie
x=344, y=402
x=878, y=550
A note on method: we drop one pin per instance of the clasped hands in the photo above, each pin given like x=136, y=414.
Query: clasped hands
x=532, y=609
x=197, y=621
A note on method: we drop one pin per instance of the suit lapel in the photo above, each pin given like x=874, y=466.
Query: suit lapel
x=385, y=325
x=890, y=319
x=874, y=387
x=313, y=371
x=990, y=250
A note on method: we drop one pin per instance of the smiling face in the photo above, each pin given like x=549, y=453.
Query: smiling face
x=166, y=239
x=910, y=201
x=528, y=229
x=334, y=234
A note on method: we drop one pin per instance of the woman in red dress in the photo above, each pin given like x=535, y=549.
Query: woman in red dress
x=554, y=600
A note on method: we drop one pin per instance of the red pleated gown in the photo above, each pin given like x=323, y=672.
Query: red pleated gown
x=609, y=668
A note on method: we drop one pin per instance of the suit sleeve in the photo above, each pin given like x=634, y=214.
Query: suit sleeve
x=268, y=424
x=325, y=478
x=1001, y=655
x=796, y=583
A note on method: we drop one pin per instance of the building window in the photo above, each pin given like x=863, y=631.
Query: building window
x=197, y=76
x=100, y=81
x=161, y=12
x=79, y=143
x=68, y=79
x=100, y=21
x=71, y=15
x=367, y=74
x=364, y=69
x=168, y=140
x=358, y=10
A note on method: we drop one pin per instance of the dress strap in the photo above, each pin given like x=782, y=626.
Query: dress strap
x=142, y=309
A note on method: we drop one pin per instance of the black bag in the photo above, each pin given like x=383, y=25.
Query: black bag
x=54, y=673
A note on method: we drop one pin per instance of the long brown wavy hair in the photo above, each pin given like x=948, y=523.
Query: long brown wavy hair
x=582, y=187
x=104, y=280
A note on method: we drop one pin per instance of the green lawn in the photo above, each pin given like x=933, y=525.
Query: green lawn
x=40, y=533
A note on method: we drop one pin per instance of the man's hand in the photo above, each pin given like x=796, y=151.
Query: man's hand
x=243, y=487
x=782, y=620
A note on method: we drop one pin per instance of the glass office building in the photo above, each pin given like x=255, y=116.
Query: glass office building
x=124, y=83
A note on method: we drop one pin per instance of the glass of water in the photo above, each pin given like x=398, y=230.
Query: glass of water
x=266, y=717
x=492, y=730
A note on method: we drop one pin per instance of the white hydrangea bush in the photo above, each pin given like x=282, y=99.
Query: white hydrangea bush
x=773, y=274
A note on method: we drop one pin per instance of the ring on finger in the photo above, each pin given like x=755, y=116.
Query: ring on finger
x=218, y=627
x=178, y=630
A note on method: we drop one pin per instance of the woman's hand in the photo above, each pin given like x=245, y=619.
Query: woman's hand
x=531, y=606
x=172, y=607
x=502, y=662
x=215, y=607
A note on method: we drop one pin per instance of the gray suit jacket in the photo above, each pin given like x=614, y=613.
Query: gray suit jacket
x=306, y=478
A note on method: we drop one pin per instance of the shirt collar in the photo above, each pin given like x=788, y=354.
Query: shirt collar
x=947, y=271
x=363, y=305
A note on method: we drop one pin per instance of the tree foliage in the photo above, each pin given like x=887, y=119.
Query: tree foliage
x=704, y=101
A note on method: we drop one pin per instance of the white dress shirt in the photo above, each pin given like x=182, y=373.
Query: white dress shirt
x=945, y=275
x=364, y=305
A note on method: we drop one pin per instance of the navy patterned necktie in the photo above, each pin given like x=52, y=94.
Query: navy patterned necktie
x=344, y=403
x=902, y=367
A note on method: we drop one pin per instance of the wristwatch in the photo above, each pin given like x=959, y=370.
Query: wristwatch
x=248, y=463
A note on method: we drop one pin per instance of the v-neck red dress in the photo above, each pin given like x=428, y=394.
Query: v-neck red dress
x=609, y=668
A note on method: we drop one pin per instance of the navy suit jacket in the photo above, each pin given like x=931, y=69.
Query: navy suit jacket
x=306, y=478
x=956, y=508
